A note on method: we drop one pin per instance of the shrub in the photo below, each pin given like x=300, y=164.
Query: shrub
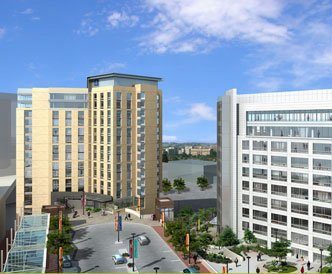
x=98, y=209
x=130, y=264
x=125, y=254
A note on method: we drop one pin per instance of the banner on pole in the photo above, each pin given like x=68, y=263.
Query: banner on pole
x=120, y=223
x=116, y=223
x=199, y=224
x=131, y=248
x=135, y=248
x=187, y=241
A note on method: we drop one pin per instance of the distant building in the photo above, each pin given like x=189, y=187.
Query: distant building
x=172, y=151
x=195, y=151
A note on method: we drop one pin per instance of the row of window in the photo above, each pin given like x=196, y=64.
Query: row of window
x=68, y=118
x=118, y=97
x=68, y=185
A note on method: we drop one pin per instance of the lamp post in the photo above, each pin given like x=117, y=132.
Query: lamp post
x=248, y=257
x=156, y=269
x=133, y=234
x=321, y=259
x=227, y=266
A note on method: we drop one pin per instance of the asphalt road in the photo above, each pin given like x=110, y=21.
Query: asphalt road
x=96, y=245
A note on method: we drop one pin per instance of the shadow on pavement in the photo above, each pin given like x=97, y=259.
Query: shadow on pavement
x=77, y=222
x=84, y=253
x=90, y=269
x=152, y=263
x=80, y=234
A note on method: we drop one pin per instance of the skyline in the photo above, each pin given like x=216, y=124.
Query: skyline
x=199, y=50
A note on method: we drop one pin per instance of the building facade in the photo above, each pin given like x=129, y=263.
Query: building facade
x=103, y=139
x=274, y=167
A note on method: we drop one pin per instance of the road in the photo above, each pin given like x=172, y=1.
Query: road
x=96, y=245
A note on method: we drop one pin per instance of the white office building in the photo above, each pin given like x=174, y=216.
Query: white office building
x=275, y=167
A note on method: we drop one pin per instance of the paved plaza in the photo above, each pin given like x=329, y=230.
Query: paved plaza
x=97, y=243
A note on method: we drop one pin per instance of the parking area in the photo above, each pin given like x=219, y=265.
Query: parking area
x=97, y=243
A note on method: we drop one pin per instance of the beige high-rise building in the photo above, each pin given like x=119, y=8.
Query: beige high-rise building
x=104, y=139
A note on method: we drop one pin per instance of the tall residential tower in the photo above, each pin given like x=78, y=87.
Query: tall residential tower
x=275, y=167
x=104, y=139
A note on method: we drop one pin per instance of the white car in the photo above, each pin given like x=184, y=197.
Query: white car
x=143, y=240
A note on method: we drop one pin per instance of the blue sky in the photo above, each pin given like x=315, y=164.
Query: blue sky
x=199, y=48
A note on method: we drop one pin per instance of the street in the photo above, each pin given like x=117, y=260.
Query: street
x=96, y=245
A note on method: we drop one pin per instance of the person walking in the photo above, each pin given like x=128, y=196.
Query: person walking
x=308, y=265
x=258, y=270
x=236, y=261
x=195, y=258
x=302, y=269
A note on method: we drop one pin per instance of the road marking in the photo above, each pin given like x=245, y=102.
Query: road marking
x=120, y=267
x=167, y=251
x=178, y=260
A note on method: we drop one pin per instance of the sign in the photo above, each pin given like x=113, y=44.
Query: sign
x=116, y=223
x=187, y=242
x=135, y=248
x=131, y=248
x=120, y=223
x=199, y=224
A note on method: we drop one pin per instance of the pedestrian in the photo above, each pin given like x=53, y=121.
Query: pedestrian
x=302, y=269
x=195, y=258
x=308, y=265
x=259, y=256
x=258, y=270
x=89, y=214
x=129, y=216
x=126, y=218
x=297, y=256
x=236, y=261
x=302, y=259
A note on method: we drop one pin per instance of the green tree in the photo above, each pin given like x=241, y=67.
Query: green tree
x=202, y=182
x=329, y=258
x=57, y=239
x=249, y=237
x=227, y=237
x=179, y=184
x=280, y=249
x=165, y=156
x=166, y=185
x=204, y=240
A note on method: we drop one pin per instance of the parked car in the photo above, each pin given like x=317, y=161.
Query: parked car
x=66, y=261
x=190, y=270
x=118, y=259
x=143, y=240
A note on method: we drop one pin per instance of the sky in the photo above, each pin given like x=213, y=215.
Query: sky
x=201, y=48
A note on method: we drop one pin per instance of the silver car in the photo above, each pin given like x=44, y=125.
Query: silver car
x=143, y=240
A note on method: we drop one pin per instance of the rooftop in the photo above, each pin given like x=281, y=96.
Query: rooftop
x=5, y=183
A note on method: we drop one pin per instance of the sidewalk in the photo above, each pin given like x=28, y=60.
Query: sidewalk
x=203, y=268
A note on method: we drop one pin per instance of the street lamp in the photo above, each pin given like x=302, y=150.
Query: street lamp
x=133, y=252
x=227, y=266
x=156, y=269
x=321, y=259
x=248, y=257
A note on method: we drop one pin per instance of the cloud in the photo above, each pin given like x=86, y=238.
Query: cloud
x=195, y=25
x=169, y=138
x=116, y=19
x=108, y=67
x=27, y=11
x=192, y=114
x=174, y=99
x=36, y=18
x=2, y=32
x=88, y=27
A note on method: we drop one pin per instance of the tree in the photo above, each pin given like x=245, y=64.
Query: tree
x=166, y=185
x=204, y=240
x=202, y=182
x=227, y=237
x=329, y=258
x=249, y=237
x=57, y=239
x=165, y=156
x=280, y=249
x=179, y=184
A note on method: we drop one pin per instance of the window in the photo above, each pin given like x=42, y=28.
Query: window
x=321, y=243
x=299, y=147
x=245, y=225
x=245, y=198
x=129, y=118
x=102, y=118
x=278, y=219
x=278, y=161
x=259, y=215
x=118, y=118
x=245, y=171
x=245, y=212
x=300, y=193
x=108, y=100
x=95, y=118
x=55, y=154
x=299, y=238
x=322, y=196
x=95, y=135
x=101, y=153
x=80, y=169
x=68, y=135
x=101, y=100
x=55, y=135
x=324, y=149
x=95, y=153
x=260, y=201
x=109, y=118
x=81, y=118
x=128, y=136
x=68, y=118
x=320, y=164
x=68, y=169
x=55, y=170
x=299, y=162
x=279, y=146
x=278, y=175
x=260, y=159
x=80, y=184
x=118, y=135
x=279, y=204
x=322, y=228
x=259, y=187
x=108, y=153
x=68, y=185
x=245, y=144
x=129, y=95
x=101, y=135
x=81, y=135
x=118, y=153
x=96, y=82
x=259, y=173
x=300, y=223
x=245, y=185
x=68, y=152
x=128, y=153
x=109, y=136
x=118, y=99
x=55, y=185
x=101, y=170
x=299, y=178
x=109, y=172
x=95, y=101
x=260, y=229
x=300, y=208
x=321, y=180
x=81, y=152
x=278, y=233
x=118, y=172
x=260, y=145
x=322, y=212
x=55, y=118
